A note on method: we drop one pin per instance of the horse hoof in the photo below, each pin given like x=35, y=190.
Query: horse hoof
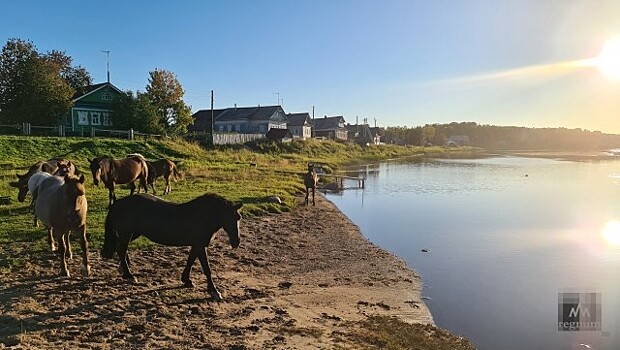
x=187, y=284
x=65, y=274
x=53, y=248
x=215, y=295
x=86, y=270
x=132, y=280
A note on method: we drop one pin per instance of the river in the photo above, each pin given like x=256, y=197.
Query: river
x=508, y=240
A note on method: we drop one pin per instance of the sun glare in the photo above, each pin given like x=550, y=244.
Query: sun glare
x=611, y=232
x=609, y=59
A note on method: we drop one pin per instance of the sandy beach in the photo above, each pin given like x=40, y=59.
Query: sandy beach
x=298, y=280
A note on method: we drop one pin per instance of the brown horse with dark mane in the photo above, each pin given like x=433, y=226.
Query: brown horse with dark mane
x=165, y=168
x=187, y=224
x=310, y=180
x=118, y=171
x=61, y=206
x=55, y=166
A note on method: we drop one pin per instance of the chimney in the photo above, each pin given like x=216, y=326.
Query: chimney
x=235, y=106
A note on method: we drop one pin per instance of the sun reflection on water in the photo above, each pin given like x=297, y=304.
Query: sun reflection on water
x=611, y=233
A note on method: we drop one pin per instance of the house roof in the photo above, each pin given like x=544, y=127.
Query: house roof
x=202, y=119
x=93, y=88
x=328, y=123
x=250, y=113
x=298, y=119
x=278, y=134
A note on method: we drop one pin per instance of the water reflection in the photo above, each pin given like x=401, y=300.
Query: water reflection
x=502, y=244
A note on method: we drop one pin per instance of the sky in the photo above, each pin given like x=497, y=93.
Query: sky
x=391, y=62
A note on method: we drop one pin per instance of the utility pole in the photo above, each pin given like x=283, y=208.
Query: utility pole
x=212, y=122
x=107, y=54
x=312, y=128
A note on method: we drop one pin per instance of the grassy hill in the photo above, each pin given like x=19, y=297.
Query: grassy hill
x=248, y=173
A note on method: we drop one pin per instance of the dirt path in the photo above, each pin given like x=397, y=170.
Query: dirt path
x=295, y=282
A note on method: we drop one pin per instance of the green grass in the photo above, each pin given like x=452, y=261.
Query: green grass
x=248, y=173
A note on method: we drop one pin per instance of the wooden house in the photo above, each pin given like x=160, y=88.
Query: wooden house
x=300, y=125
x=332, y=128
x=92, y=109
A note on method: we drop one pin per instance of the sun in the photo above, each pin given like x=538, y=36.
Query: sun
x=609, y=59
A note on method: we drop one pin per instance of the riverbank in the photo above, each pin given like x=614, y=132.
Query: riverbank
x=302, y=279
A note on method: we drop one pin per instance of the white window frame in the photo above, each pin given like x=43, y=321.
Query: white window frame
x=82, y=117
x=95, y=118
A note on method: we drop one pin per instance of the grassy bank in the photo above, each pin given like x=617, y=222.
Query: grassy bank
x=248, y=173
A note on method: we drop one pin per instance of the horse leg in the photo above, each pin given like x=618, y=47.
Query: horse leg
x=143, y=183
x=68, y=252
x=61, y=236
x=187, y=282
x=111, y=195
x=121, y=250
x=167, y=178
x=307, y=194
x=84, y=245
x=202, y=256
x=50, y=239
x=313, y=191
x=32, y=204
x=132, y=188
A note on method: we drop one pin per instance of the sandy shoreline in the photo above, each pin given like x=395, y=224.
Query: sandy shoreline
x=298, y=280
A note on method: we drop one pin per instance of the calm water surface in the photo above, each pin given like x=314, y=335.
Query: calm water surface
x=506, y=235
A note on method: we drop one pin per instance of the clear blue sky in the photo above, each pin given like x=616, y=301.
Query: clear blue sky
x=402, y=62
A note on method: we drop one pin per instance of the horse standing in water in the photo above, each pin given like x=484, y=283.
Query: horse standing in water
x=310, y=180
x=119, y=171
x=187, y=224
x=61, y=206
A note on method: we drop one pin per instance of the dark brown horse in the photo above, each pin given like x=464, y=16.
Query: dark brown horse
x=188, y=224
x=61, y=206
x=118, y=171
x=56, y=166
x=310, y=180
x=165, y=168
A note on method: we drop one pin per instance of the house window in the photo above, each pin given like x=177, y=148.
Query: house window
x=295, y=131
x=229, y=127
x=82, y=117
x=262, y=128
x=105, y=119
x=95, y=118
x=106, y=96
x=238, y=127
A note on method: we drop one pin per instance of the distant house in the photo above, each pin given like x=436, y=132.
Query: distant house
x=360, y=133
x=92, y=109
x=376, y=136
x=280, y=135
x=457, y=140
x=243, y=120
x=300, y=125
x=330, y=127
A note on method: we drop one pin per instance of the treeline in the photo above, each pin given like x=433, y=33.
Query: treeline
x=501, y=137
x=39, y=88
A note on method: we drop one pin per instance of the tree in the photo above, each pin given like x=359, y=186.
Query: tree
x=77, y=77
x=135, y=112
x=428, y=134
x=166, y=95
x=31, y=87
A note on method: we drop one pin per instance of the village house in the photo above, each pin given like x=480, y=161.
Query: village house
x=360, y=134
x=457, y=140
x=279, y=135
x=330, y=128
x=243, y=120
x=300, y=125
x=92, y=109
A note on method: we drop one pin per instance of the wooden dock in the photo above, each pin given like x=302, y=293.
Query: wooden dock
x=340, y=180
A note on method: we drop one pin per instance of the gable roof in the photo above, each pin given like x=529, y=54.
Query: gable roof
x=91, y=89
x=328, y=123
x=298, y=119
x=202, y=119
x=249, y=113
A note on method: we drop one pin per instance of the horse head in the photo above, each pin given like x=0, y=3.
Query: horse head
x=95, y=169
x=64, y=167
x=230, y=222
x=75, y=193
x=22, y=185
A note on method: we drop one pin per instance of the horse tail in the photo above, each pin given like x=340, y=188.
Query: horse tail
x=175, y=173
x=110, y=241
